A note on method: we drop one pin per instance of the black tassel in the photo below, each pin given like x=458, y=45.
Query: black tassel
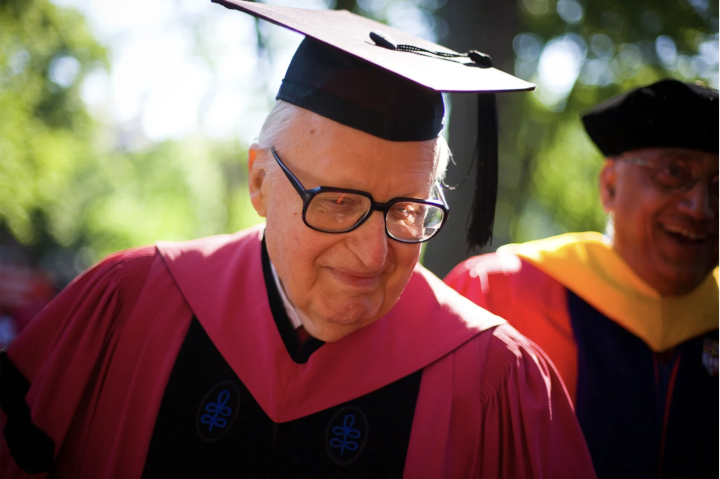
x=482, y=214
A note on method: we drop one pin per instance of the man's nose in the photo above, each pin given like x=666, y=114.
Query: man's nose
x=370, y=242
x=697, y=202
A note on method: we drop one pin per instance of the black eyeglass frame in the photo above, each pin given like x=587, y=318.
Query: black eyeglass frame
x=307, y=196
x=651, y=164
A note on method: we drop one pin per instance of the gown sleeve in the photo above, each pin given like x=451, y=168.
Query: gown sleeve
x=527, y=424
x=49, y=372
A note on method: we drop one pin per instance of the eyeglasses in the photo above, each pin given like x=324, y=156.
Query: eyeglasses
x=674, y=175
x=340, y=210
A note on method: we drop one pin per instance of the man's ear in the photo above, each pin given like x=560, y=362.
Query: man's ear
x=256, y=179
x=608, y=182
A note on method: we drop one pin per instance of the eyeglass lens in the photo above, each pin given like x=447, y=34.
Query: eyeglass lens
x=338, y=212
x=413, y=221
x=678, y=176
x=335, y=212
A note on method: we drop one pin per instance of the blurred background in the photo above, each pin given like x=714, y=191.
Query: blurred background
x=122, y=123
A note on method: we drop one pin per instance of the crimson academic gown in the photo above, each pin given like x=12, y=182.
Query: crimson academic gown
x=97, y=366
x=641, y=369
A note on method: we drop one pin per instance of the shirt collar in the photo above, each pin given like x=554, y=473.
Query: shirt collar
x=291, y=311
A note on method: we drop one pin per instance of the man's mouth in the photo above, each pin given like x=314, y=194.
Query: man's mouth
x=357, y=279
x=685, y=235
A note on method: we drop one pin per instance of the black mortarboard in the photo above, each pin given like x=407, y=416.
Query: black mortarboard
x=666, y=114
x=388, y=83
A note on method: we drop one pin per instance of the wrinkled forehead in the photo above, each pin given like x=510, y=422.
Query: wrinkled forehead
x=320, y=150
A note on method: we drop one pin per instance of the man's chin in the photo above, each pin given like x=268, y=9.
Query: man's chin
x=682, y=277
x=330, y=331
x=335, y=321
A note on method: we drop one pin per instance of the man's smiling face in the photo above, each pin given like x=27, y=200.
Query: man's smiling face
x=340, y=282
x=669, y=238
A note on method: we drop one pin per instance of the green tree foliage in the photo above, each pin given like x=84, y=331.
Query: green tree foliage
x=45, y=132
x=170, y=191
x=621, y=45
x=73, y=188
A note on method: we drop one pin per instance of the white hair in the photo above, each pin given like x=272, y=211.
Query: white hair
x=278, y=122
x=284, y=115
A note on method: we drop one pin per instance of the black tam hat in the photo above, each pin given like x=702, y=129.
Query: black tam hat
x=387, y=83
x=666, y=114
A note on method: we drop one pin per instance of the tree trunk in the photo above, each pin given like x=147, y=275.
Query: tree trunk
x=487, y=26
x=348, y=5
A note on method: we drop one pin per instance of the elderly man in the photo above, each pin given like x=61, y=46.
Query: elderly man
x=314, y=346
x=631, y=321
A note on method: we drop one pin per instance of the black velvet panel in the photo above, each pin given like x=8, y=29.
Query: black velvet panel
x=623, y=392
x=209, y=425
x=29, y=446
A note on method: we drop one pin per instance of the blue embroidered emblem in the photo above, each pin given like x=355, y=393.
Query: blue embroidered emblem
x=710, y=356
x=346, y=435
x=345, y=432
x=217, y=411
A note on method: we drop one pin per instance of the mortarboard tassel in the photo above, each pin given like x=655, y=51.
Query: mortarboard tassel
x=482, y=214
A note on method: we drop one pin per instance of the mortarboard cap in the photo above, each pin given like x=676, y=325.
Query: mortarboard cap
x=666, y=114
x=387, y=83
